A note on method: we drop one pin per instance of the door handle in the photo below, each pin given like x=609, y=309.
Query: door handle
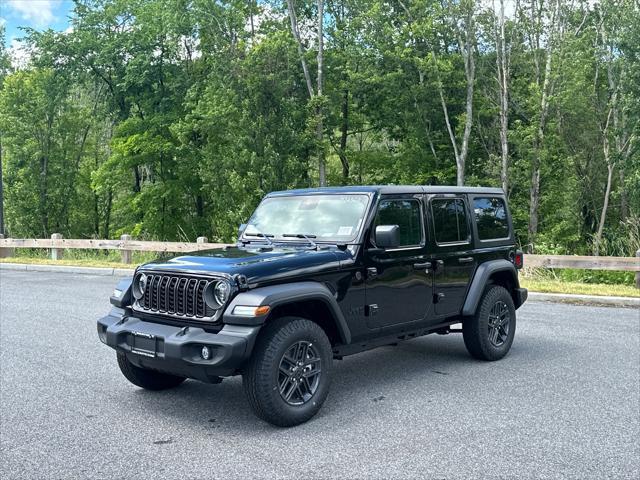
x=422, y=266
x=465, y=260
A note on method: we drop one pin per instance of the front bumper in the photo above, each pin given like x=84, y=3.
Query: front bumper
x=177, y=350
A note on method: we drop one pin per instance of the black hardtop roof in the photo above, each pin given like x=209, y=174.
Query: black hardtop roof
x=392, y=189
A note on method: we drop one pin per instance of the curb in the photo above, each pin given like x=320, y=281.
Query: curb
x=577, y=299
x=106, y=271
x=574, y=299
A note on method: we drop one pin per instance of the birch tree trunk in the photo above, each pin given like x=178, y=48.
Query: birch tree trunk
x=503, y=68
x=466, y=45
x=319, y=112
x=622, y=139
x=534, y=191
x=296, y=35
x=307, y=77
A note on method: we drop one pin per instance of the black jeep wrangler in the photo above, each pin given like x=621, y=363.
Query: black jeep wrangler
x=318, y=274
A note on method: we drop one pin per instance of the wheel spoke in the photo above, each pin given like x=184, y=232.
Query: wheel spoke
x=311, y=361
x=283, y=385
x=287, y=356
x=304, y=351
x=304, y=382
x=292, y=388
x=493, y=335
x=296, y=352
x=503, y=332
x=311, y=373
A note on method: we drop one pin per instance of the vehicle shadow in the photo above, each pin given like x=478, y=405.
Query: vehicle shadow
x=386, y=369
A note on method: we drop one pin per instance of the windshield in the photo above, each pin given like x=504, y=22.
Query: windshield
x=333, y=218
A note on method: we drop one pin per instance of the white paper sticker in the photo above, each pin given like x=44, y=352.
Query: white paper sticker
x=344, y=231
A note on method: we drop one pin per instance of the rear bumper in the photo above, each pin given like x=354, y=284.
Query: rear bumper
x=177, y=350
x=520, y=295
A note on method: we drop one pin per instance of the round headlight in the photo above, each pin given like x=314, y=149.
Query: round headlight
x=139, y=285
x=222, y=292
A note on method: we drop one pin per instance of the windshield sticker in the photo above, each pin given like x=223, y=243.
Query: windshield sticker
x=344, y=231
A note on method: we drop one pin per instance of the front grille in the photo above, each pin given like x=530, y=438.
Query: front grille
x=176, y=296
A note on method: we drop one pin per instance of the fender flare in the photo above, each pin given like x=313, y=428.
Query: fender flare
x=277, y=295
x=124, y=287
x=480, y=280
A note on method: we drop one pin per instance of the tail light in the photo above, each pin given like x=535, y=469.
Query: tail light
x=518, y=259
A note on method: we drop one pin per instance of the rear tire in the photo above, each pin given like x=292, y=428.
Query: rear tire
x=147, y=379
x=288, y=375
x=489, y=333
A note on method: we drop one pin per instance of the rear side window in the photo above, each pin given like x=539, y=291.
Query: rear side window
x=449, y=220
x=405, y=214
x=491, y=218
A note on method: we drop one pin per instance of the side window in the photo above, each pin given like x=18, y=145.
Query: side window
x=405, y=214
x=449, y=220
x=491, y=218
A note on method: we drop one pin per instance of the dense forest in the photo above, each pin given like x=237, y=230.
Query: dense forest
x=170, y=119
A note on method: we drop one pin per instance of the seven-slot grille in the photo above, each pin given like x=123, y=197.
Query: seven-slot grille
x=175, y=295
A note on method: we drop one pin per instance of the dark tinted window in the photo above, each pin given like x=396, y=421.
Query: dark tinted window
x=405, y=214
x=449, y=220
x=491, y=217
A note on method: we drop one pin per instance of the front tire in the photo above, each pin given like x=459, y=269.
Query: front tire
x=288, y=375
x=147, y=379
x=489, y=333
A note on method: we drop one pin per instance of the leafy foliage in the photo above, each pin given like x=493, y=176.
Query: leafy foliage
x=170, y=119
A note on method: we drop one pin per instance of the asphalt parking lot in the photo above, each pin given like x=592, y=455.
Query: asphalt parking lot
x=565, y=403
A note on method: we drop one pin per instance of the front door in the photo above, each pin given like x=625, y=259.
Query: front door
x=399, y=284
x=453, y=260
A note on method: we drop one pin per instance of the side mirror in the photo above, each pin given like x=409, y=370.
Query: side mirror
x=388, y=236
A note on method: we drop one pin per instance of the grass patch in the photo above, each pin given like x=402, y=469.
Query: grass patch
x=559, y=286
x=71, y=262
x=83, y=257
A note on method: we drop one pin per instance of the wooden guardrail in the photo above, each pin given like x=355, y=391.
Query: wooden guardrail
x=56, y=244
x=631, y=264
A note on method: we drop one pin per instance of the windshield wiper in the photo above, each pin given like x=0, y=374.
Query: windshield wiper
x=307, y=237
x=258, y=233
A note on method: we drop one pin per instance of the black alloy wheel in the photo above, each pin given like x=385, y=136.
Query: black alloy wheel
x=498, y=324
x=299, y=373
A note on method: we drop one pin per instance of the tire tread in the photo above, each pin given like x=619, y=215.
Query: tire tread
x=257, y=375
x=475, y=339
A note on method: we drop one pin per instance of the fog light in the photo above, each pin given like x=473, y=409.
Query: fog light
x=206, y=352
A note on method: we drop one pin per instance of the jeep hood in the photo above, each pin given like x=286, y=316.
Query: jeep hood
x=257, y=264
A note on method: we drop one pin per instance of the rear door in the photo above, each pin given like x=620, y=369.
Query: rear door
x=453, y=260
x=398, y=285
